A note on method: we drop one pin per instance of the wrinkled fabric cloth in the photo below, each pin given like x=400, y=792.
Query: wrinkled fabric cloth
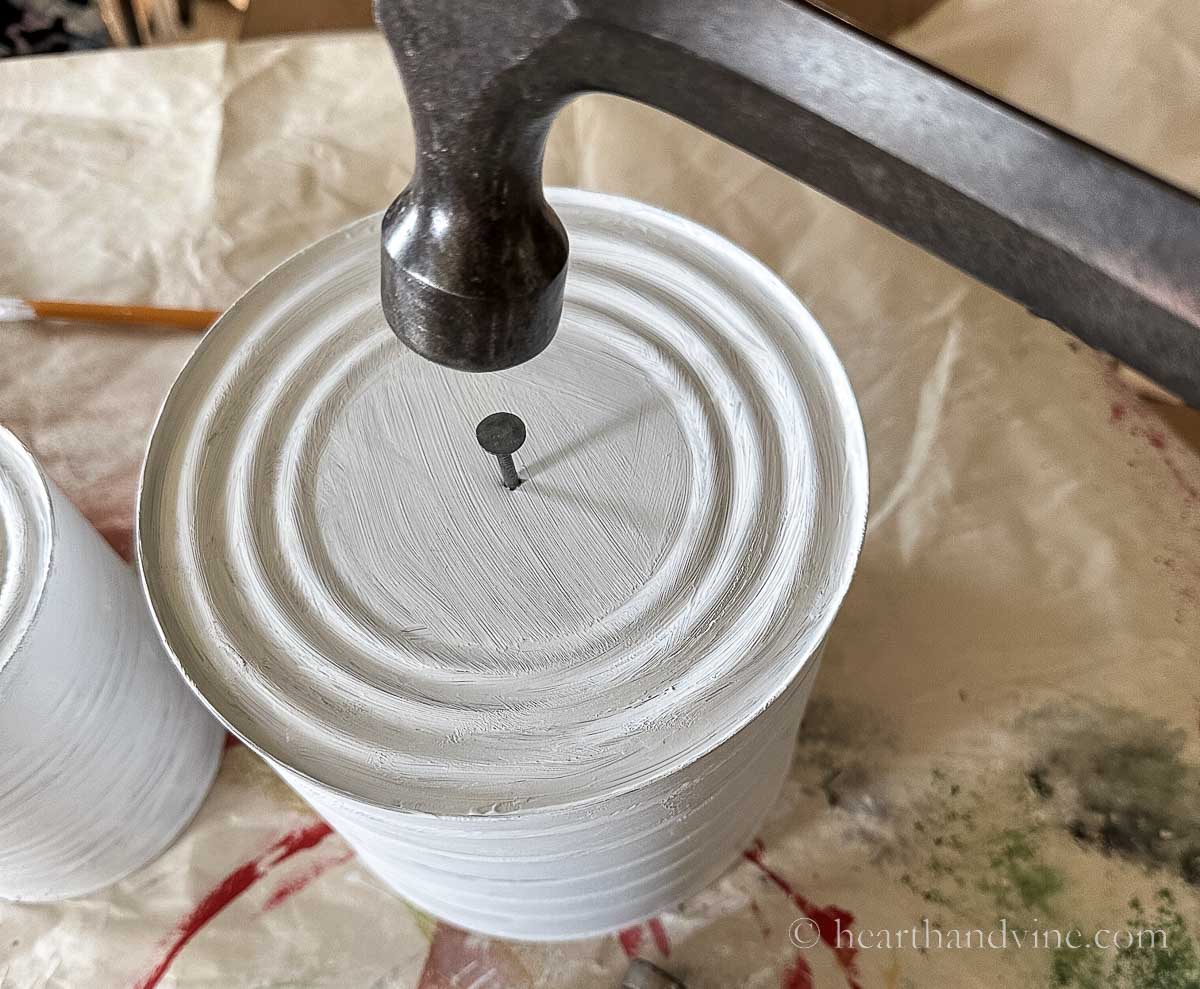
x=1004, y=736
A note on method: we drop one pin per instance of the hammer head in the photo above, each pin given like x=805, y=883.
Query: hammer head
x=474, y=290
x=474, y=260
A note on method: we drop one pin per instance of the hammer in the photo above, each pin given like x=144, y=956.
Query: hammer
x=474, y=260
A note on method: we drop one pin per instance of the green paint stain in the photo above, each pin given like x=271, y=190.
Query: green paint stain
x=1018, y=874
x=1078, y=969
x=1165, y=957
x=962, y=857
x=1172, y=963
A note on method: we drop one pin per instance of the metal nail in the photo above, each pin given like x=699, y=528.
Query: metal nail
x=502, y=435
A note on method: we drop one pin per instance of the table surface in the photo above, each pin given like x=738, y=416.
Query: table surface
x=1006, y=727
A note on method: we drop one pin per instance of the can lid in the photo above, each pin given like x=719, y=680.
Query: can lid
x=334, y=564
x=26, y=541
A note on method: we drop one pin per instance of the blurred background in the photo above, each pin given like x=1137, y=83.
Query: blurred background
x=42, y=26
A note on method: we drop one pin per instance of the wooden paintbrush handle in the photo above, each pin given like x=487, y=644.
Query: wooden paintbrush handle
x=183, y=319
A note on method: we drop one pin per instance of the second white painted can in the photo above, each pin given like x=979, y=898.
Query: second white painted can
x=544, y=713
x=105, y=755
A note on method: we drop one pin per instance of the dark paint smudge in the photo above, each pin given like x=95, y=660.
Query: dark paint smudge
x=829, y=920
x=763, y=926
x=1117, y=412
x=289, y=888
x=799, y=976
x=631, y=941
x=233, y=886
x=1120, y=783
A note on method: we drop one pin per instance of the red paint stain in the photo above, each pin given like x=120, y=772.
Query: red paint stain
x=1156, y=438
x=458, y=960
x=286, y=890
x=799, y=976
x=233, y=886
x=659, y=933
x=231, y=741
x=631, y=941
x=829, y=920
x=118, y=535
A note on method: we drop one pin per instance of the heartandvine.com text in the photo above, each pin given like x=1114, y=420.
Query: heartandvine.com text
x=925, y=937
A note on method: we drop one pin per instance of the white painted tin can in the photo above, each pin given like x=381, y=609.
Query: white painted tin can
x=104, y=753
x=537, y=714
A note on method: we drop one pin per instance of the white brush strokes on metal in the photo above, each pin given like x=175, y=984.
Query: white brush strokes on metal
x=104, y=754
x=540, y=713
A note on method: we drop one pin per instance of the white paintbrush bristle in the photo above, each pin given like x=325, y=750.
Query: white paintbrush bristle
x=12, y=310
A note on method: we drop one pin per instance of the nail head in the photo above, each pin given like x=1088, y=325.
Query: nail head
x=501, y=433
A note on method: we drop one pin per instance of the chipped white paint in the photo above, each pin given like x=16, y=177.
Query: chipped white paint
x=540, y=713
x=104, y=754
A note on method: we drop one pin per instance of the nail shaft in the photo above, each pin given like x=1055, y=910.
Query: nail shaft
x=508, y=471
